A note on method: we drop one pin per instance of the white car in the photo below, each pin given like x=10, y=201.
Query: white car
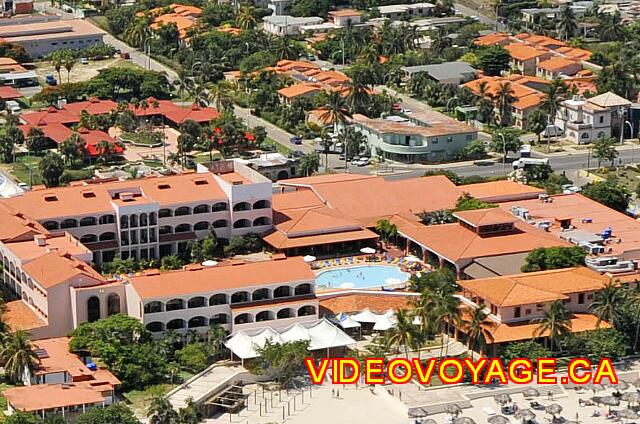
x=355, y=160
x=84, y=61
x=363, y=162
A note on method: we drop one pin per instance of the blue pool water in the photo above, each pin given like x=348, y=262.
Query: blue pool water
x=362, y=276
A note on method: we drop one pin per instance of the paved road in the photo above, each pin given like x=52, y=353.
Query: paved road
x=140, y=58
x=484, y=18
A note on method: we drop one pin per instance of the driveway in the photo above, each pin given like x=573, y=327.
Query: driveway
x=140, y=58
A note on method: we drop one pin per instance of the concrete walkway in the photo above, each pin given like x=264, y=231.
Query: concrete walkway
x=200, y=386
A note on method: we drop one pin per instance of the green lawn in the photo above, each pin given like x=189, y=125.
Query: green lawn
x=139, y=399
x=280, y=148
x=20, y=169
x=629, y=176
x=140, y=138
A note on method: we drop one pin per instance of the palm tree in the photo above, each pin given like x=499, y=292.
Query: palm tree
x=503, y=99
x=72, y=148
x=285, y=48
x=386, y=229
x=553, y=98
x=448, y=313
x=18, y=356
x=632, y=302
x=219, y=96
x=161, y=412
x=477, y=328
x=610, y=27
x=606, y=304
x=405, y=333
x=57, y=61
x=69, y=63
x=135, y=34
x=358, y=96
x=246, y=18
x=556, y=321
x=335, y=110
x=215, y=337
x=567, y=25
x=105, y=151
x=423, y=308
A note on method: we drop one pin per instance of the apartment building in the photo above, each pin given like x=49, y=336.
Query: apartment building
x=524, y=58
x=583, y=121
x=154, y=217
x=396, y=11
x=514, y=302
x=557, y=67
x=238, y=296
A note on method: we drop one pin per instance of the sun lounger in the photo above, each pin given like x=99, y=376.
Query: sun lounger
x=489, y=411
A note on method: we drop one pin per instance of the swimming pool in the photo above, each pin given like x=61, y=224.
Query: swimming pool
x=361, y=276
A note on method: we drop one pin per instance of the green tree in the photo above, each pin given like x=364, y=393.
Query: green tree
x=609, y=193
x=604, y=149
x=555, y=324
x=36, y=141
x=18, y=357
x=118, y=413
x=477, y=333
x=309, y=164
x=537, y=122
x=386, y=229
x=596, y=344
x=335, y=110
x=51, y=167
x=506, y=140
x=529, y=349
x=493, y=60
x=567, y=25
x=282, y=362
x=160, y=411
x=503, y=100
x=437, y=217
x=210, y=244
x=466, y=202
x=193, y=357
x=475, y=149
x=606, y=304
x=405, y=333
x=170, y=262
x=6, y=146
x=544, y=258
x=20, y=417
x=191, y=413
x=72, y=148
x=610, y=27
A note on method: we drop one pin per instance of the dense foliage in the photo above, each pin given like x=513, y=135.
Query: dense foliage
x=544, y=258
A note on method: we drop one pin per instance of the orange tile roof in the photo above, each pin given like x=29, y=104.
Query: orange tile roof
x=344, y=13
x=523, y=52
x=525, y=96
x=491, y=39
x=50, y=115
x=586, y=215
x=540, y=40
x=54, y=268
x=512, y=332
x=16, y=226
x=481, y=217
x=58, y=242
x=556, y=64
x=59, y=359
x=297, y=90
x=73, y=200
x=527, y=102
x=349, y=302
x=48, y=396
x=299, y=199
x=500, y=189
x=202, y=115
x=19, y=316
x=535, y=287
x=181, y=283
x=296, y=223
x=9, y=93
x=280, y=240
x=93, y=106
x=575, y=53
x=455, y=242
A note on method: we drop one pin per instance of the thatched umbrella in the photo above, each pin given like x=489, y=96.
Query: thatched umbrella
x=531, y=392
x=636, y=382
x=633, y=397
x=610, y=401
x=417, y=413
x=429, y=421
x=463, y=420
x=524, y=414
x=593, y=387
x=553, y=409
x=452, y=409
x=502, y=399
x=498, y=419
x=628, y=414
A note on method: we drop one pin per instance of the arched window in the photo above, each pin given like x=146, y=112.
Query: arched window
x=113, y=304
x=106, y=219
x=69, y=223
x=239, y=297
x=306, y=310
x=124, y=221
x=262, y=204
x=183, y=210
x=302, y=289
x=165, y=229
x=264, y=316
x=88, y=221
x=182, y=228
x=219, y=319
x=218, y=299
x=243, y=319
x=144, y=219
x=201, y=209
x=165, y=213
x=219, y=207
x=89, y=238
x=155, y=327
x=203, y=225
x=220, y=223
x=50, y=225
x=196, y=302
x=175, y=324
x=242, y=223
x=153, y=219
x=108, y=236
x=198, y=322
x=286, y=313
x=242, y=206
x=174, y=305
x=283, y=175
x=263, y=220
x=133, y=221
x=93, y=309
x=153, y=307
x=260, y=294
x=282, y=291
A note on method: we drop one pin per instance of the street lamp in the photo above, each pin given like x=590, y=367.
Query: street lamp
x=146, y=49
x=504, y=150
x=449, y=101
x=630, y=136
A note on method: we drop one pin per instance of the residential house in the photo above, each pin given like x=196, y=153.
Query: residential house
x=557, y=67
x=619, y=108
x=583, y=122
x=454, y=73
x=395, y=12
x=525, y=58
x=282, y=25
x=184, y=17
x=345, y=17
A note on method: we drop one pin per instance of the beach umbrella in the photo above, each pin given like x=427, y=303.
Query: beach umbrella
x=417, y=413
x=622, y=385
x=368, y=250
x=209, y=263
x=452, y=409
x=524, y=414
x=411, y=259
x=636, y=382
x=531, y=392
x=498, y=419
x=631, y=397
x=553, y=409
x=502, y=399
x=628, y=414
x=610, y=400
x=593, y=387
x=309, y=258
x=463, y=420
x=429, y=421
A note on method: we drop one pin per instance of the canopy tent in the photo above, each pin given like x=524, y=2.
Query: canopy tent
x=384, y=323
x=366, y=316
x=345, y=321
x=309, y=258
x=321, y=334
x=209, y=263
x=368, y=250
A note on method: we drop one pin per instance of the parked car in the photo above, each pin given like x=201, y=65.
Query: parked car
x=12, y=106
x=406, y=111
x=396, y=106
x=84, y=61
x=125, y=55
x=50, y=80
x=363, y=162
x=296, y=139
x=297, y=153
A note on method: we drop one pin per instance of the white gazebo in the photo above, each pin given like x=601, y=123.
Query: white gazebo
x=366, y=316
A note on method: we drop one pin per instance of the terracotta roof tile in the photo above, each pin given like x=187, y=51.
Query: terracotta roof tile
x=54, y=268
x=349, y=302
x=19, y=316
